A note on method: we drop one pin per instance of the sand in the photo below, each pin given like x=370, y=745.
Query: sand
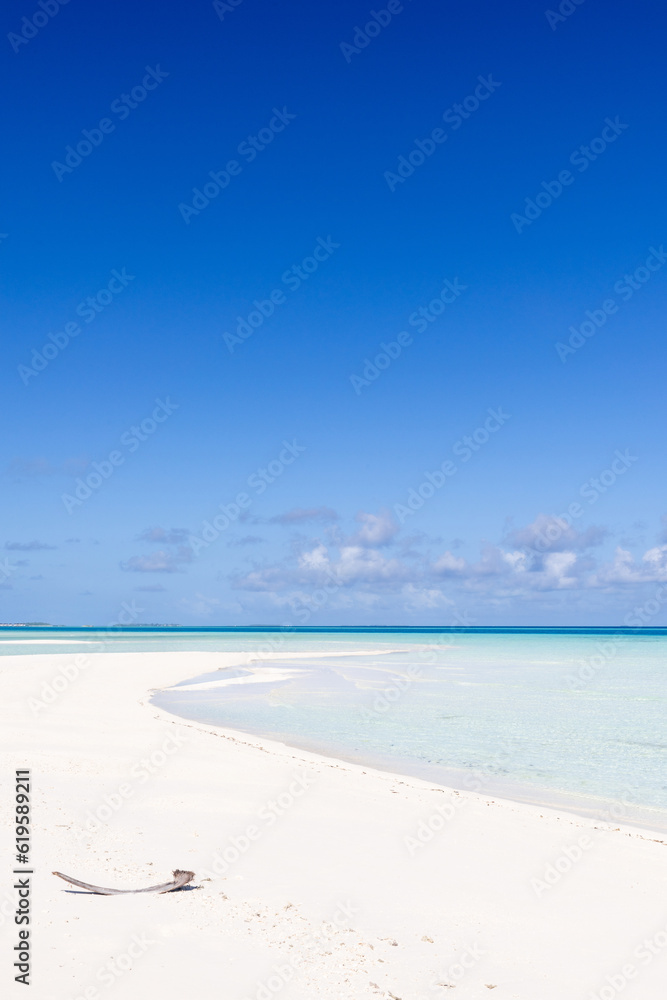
x=315, y=878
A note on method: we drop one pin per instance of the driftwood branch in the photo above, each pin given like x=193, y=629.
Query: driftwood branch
x=180, y=879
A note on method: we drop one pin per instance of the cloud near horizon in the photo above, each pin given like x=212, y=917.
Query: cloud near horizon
x=160, y=561
x=33, y=546
x=546, y=556
x=548, y=533
x=299, y=515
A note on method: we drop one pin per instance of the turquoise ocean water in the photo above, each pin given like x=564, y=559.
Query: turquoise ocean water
x=563, y=717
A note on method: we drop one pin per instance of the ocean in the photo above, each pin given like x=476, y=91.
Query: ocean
x=564, y=717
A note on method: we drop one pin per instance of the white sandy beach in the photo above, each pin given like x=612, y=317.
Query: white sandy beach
x=311, y=880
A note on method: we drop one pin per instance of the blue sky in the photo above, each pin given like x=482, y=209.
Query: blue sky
x=215, y=216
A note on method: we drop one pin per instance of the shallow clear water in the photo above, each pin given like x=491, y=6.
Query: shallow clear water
x=578, y=718
x=550, y=717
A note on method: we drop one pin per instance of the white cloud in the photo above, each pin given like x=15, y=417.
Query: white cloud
x=159, y=562
x=317, y=559
x=626, y=570
x=361, y=565
x=27, y=546
x=656, y=562
x=374, y=568
x=376, y=529
x=557, y=567
x=449, y=565
x=549, y=533
x=300, y=516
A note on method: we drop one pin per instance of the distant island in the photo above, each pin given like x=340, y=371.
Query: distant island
x=95, y=628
